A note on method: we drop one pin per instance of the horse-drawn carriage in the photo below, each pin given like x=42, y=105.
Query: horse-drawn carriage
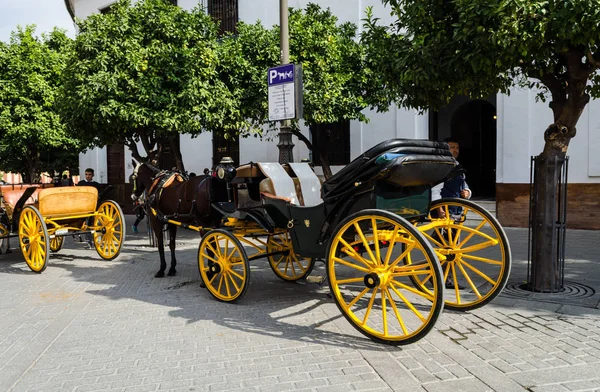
x=392, y=259
x=42, y=215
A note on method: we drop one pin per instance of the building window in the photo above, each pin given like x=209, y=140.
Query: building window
x=225, y=13
x=222, y=147
x=332, y=139
x=106, y=10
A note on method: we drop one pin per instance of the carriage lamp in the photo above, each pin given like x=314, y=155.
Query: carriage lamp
x=225, y=169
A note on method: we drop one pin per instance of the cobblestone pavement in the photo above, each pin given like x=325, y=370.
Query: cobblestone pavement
x=89, y=325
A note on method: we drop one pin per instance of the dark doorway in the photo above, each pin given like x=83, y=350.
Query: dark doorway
x=222, y=147
x=473, y=124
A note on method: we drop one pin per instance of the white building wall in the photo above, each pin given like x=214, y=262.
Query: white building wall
x=95, y=159
x=520, y=124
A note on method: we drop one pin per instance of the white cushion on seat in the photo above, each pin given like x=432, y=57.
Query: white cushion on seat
x=282, y=182
x=309, y=183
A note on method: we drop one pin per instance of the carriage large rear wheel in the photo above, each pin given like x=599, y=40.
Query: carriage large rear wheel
x=109, y=224
x=223, y=265
x=474, y=252
x=371, y=284
x=288, y=265
x=33, y=238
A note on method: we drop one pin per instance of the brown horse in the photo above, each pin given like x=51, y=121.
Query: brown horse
x=174, y=198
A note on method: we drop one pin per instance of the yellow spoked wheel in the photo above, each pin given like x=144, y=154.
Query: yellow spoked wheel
x=4, y=227
x=223, y=265
x=109, y=224
x=474, y=252
x=371, y=284
x=56, y=244
x=288, y=265
x=33, y=238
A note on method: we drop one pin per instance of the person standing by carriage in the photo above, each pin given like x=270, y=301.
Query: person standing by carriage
x=454, y=187
x=140, y=212
x=66, y=179
x=89, y=181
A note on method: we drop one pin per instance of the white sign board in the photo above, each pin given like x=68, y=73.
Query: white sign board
x=282, y=93
x=281, y=102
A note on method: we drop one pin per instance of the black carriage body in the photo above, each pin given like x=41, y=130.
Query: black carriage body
x=396, y=176
x=304, y=225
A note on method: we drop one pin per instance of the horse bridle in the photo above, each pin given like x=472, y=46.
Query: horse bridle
x=134, y=177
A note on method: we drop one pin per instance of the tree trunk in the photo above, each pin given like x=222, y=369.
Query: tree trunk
x=176, y=150
x=546, y=273
x=545, y=261
x=325, y=165
x=33, y=164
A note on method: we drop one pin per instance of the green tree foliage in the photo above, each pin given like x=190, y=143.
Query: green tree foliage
x=32, y=137
x=147, y=72
x=439, y=48
x=336, y=71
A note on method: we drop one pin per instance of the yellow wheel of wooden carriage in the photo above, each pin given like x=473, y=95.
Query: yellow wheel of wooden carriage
x=223, y=265
x=474, y=252
x=372, y=286
x=288, y=265
x=109, y=234
x=33, y=238
x=56, y=243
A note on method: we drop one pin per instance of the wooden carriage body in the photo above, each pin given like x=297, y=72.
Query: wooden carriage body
x=42, y=215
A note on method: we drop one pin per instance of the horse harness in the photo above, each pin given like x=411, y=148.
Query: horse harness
x=163, y=180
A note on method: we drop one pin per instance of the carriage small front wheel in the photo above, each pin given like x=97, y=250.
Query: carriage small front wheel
x=223, y=265
x=288, y=265
x=371, y=283
x=109, y=228
x=56, y=243
x=34, y=239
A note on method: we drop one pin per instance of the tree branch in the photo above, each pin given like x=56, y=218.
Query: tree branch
x=146, y=140
x=302, y=138
x=135, y=153
x=592, y=60
x=556, y=87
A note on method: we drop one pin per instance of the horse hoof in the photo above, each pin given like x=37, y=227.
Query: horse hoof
x=172, y=272
x=202, y=285
x=160, y=274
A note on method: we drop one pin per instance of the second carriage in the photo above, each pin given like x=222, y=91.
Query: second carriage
x=41, y=216
x=392, y=261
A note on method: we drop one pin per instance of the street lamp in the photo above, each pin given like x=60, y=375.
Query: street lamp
x=285, y=145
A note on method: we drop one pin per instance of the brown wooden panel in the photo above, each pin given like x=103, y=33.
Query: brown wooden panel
x=115, y=160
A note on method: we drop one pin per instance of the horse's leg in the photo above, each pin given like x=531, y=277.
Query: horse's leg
x=157, y=228
x=172, y=235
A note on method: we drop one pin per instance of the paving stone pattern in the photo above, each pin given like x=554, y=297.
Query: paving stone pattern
x=89, y=325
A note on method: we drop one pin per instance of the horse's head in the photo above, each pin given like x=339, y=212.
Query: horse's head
x=142, y=176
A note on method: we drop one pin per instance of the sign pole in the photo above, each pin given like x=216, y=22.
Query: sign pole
x=285, y=145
